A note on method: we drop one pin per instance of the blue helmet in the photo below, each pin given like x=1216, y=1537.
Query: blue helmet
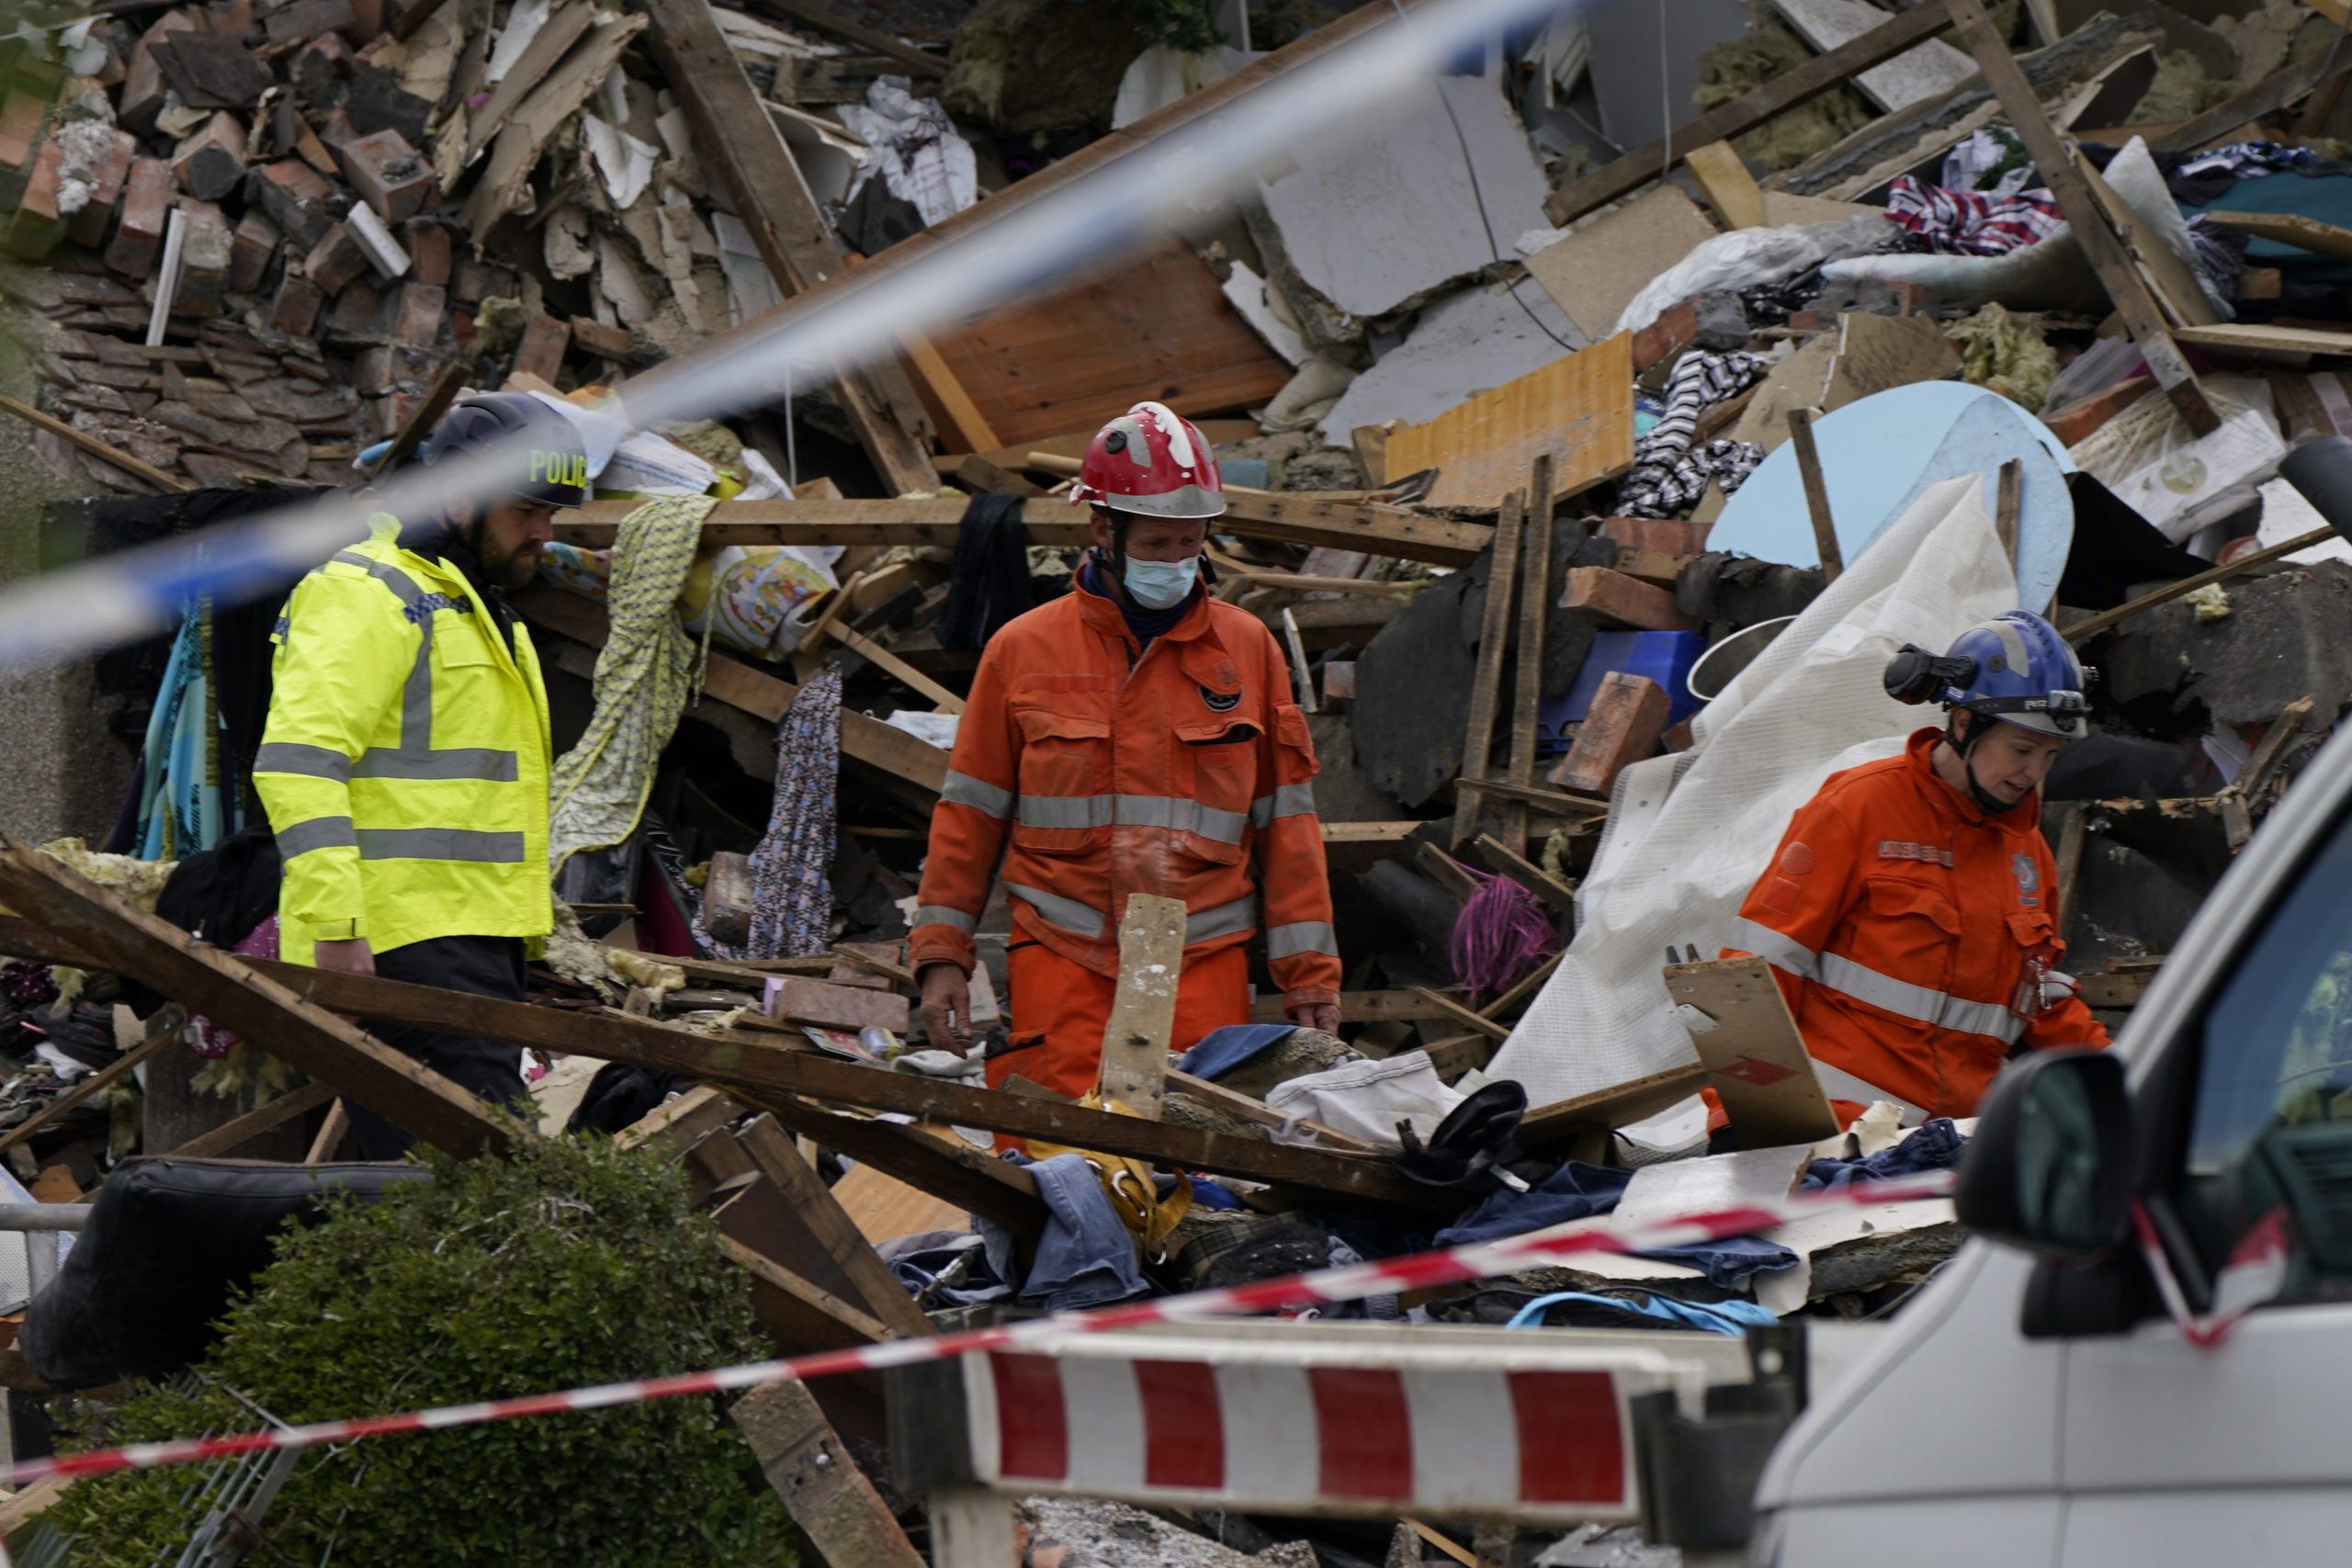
x=2015, y=667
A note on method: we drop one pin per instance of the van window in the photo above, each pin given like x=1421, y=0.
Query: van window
x=2271, y=1122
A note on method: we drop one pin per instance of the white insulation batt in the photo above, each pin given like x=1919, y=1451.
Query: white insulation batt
x=1689, y=834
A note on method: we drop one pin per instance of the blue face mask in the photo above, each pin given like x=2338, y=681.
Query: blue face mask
x=1157, y=584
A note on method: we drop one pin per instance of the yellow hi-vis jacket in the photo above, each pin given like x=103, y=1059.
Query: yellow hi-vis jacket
x=405, y=766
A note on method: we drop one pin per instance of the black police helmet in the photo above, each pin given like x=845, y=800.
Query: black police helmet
x=543, y=459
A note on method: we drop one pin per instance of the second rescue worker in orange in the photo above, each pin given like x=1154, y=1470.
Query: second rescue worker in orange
x=1134, y=735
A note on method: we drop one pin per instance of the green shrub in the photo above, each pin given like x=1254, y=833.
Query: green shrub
x=565, y=1264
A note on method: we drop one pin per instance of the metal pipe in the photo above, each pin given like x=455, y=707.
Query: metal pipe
x=44, y=1217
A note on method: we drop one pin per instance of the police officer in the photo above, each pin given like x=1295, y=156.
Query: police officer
x=405, y=765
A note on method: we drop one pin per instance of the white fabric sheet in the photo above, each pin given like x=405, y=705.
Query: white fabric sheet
x=1689, y=833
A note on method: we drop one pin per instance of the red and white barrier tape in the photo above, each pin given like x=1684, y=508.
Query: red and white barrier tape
x=1419, y=1271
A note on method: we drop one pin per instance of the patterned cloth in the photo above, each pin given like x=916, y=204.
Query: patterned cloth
x=1667, y=475
x=792, y=905
x=1968, y=223
x=643, y=678
x=2250, y=160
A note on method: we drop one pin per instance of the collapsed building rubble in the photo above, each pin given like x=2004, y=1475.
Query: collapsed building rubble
x=1551, y=475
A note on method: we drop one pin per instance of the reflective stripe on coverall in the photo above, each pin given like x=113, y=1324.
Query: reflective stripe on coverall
x=405, y=765
x=1911, y=933
x=1186, y=772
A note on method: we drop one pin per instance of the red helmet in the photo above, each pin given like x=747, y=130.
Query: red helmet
x=1152, y=461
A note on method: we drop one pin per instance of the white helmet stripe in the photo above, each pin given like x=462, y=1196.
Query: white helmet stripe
x=1180, y=441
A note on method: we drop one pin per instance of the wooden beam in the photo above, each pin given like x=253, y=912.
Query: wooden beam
x=1456, y=1013
x=2108, y=259
x=1486, y=688
x=848, y=29
x=756, y=692
x=1729, y=189
x=1557, y=803
x=215, y=984
x=821, y=1321
x=1514, y=1001
x=2267, y=97
x=2090, y=626
x=1816, y=495
x=773, y=1153
x=107, y=452
x=965, y=422
x=230, y=1136
x=1284, y=519
x=332, y=1128
x=1252, y=1110
x=747, y=155
x=1807, y=81
x=811, y=1469
x=162, y=1031
x=1361, y=1007
x=997, y=1191
x=681, y=1120
x=1534, y=613
x=425, y=416
x=2172, y=281
x=1133, y=1072
x=1505, y=860
x=736, y=1059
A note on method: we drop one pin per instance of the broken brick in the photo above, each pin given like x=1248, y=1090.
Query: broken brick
x=319, y=70
x=292, y=196
x=211, y=162
x=1615, y=599
x=375, y=101
x=1623, y=726
x=614, y=344
x=39, y=224
x=803, y=1001
x=143, y=88
x=104, y=178
x=139, y=224
x=1672, y=536
x=230, y=19
x=375, y=371
x=361, y=310
x=428, y=252
x=471, y=282
x=417, y=312
x=389, y=175
x=2076, y=420
x=540, y=353
x=335, y=260
x=1714, y=321
x=20, y=117
x=295, y=311
x=206, y=255
x=366, y=24
x=250, y=250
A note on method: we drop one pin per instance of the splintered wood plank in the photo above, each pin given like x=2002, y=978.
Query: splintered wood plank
x=1534, y=612
x=1579, y=409
x=821, y=1485
x=2291, y=229
x=1486, y=687
x=1730, y=189
x=1756, y=1060
x=1143, y=1012
x=1073, y=358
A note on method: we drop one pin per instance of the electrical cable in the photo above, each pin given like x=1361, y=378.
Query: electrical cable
x=1478, y=194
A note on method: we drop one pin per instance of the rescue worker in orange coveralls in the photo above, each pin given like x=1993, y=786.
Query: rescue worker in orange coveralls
x=1134, y=735
x=1908, y=914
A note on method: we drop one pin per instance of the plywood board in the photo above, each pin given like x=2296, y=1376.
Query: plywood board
x=1756, y=1060
x=885, y=1208
x=1597, y=270
x=1070, y=360
x=1579, y=409
x=1933, y=68
x=1785, y=207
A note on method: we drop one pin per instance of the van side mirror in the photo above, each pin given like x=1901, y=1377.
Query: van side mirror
x=2050, y=1168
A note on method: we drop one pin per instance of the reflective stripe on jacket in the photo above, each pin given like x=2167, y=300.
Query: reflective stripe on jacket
x=1098, y=774
x=1911, y=933
x=405, y=765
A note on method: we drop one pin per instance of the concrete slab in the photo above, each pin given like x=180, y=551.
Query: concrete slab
x=1478, y=339
x=1393, y=214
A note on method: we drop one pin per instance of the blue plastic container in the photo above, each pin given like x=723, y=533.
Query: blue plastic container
x=1663, y=657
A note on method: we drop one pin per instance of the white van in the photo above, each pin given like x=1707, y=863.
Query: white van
x=2036, y=1404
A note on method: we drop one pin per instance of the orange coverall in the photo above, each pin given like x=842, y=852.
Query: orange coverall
x=1099, y=770
x=1911, y=933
